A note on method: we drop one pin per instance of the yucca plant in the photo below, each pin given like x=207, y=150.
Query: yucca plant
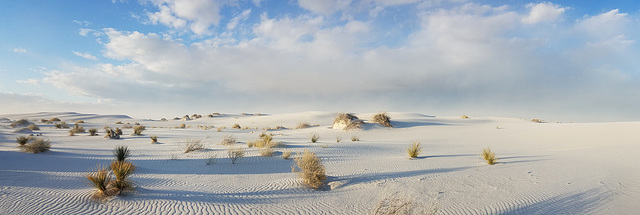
x=121, y=153
x=22, y=140
x=310, y=169
x=315, y=138
x=489, y=156
x=99, y=178
x=414, y=150
x=121, y=170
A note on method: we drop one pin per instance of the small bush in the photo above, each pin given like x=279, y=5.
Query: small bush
x=77, y=129
x=394, y=204
x=310, y=169
x=489, y=156
x=93, y=132
x=118, y=123
x=251, y=144
x=61, y=125
x=111, y=134
x=414, y=150
x=537, y=120
x=219, y=129
x=382, y=119
x=154, y=139
x=464, y=117
x=236, y=126
x=54, y=119
x=355, y=138
x=99, y=178
x=181, y=126
x=128, y=125
x=44, y=121
x=338, y=139
x=235, y=154
x=303, y=125
x=23, y=140
x=121, y=153
x=79, y=121
x=286, y=154
x=122, y=170
x=21, y=123
x=228, y=140
x=266, y=151
x=315, y=138
x=190, y=145
x=33, y=127
x=37, y=145
x=137, y=130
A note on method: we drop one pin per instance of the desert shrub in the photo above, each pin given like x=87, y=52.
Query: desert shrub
x=61, y=125
x=310, y=169
x=79, y=121
x=251, y=144
x=128, y=125
x=118, y=123
x=219, y=129
x=44, y=121
x=266, y=151
x=181, y=126
x=286, y=154
x=37, y=145
x=54, y=119
x=414, y=150
x=236, y=126
x=315, y=137
x=355, y=138
x=33, y=127
x=137, y=130
x=338, y=139
x=303, y=125
x=77, y=129
x=191, y=144
x=21, y=123
x=118, y=131
x=154, y=139
x=21, y=140
x=122, y=170
x=395, y=204
x=537, y=120
x=121, y=153
x=111, y=134
x=228, y=140
x=235, y=153
x=464, y=117
x=347, y=121
x=382, y=119
x=93, y=132
x=99, y=178
x=489, y=156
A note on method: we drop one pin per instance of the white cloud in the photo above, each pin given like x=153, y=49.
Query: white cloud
x=84, y=31
x=241, y=17
x=199, y=15
x=82, y=23
x=543, y=12
x=29, y=81
x=85, y=55
x=19, y=50
x=604, y=26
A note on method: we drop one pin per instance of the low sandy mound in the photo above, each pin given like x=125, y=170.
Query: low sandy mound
x=346, y=121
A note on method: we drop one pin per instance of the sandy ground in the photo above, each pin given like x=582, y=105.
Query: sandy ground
x=543, y=168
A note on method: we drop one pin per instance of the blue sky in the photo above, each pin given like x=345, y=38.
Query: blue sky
x=561, y=60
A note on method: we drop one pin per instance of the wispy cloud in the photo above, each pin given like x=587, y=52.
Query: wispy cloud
x=19, y=50
x=29, y=81
x=85, y=55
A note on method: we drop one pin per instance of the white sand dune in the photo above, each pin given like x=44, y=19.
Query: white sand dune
x=543, y=168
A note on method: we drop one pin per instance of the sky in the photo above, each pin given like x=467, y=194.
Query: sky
x=565, y=60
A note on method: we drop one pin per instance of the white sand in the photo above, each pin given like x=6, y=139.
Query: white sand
x=544, y=168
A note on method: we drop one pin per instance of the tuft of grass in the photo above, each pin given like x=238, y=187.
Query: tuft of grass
x=228, y=140
x=355, y=138
x=315, y=137
x=414, y=150
x=191, y=144
x=266, y=151
x=219, y=129
x=154, y=139
x=537, y=120
x=44, y=121
x=33, y=127
x=122, y=170
x=489, y=156
x=338, y=139
x=310, y=169
x=286, y=154
x=76, y=129
x=137, y=130
x=99, y=178
x=53, y=119
x=111, y=134
x=382, y=119
x=181, y=126
x=93, y=132
x=79, y=121
x=251, y=144
x=121, y=153
x=464, y=117
x=37, y=145
x=235, y=153
x=394, y=204
x=349, y=121
x=22, y=140
x=236, y=126
x=61, y=125
x=302, y=125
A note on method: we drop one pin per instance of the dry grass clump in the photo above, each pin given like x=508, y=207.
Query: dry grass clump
x=191, y=144
x=310, y=169
x=121, y=153
x=137, y=130
x=355, y=138
x=36, y=145
x=464, y=117
x=302, y=125
x=228, y=140
x=93, y=132
x=181, y=126
x=76, y=129
x=79, y=121
x=53, y=119
x=154, y=139
x=266, y=151
x=23, y=140
x=382, y=119
x=286, y=154
x=315, y=137
x=537, y=120
x=338, y=139
x=122, y=170
x=112, y=134
x=489, y=156
x=21, y=123
x=414, y=150
x=61, y=125
x=394, y=204
x=128, y=125
x=99, y=178
x=251, y=144
x=235, y=153
x=236, y=126
x=347, y=121
x=33, y=127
